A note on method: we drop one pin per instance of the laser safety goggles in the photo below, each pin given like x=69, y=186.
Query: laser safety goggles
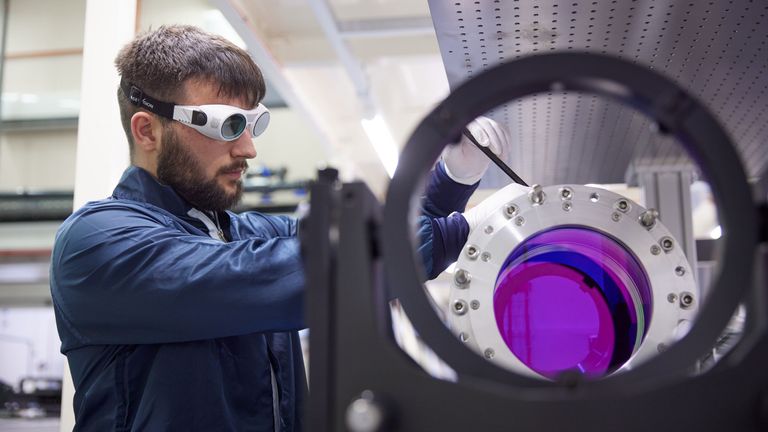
x=220, y=122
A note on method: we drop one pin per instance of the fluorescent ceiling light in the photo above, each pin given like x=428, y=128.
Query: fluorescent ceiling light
x=379, y=135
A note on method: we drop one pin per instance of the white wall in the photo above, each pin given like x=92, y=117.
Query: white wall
x=29, y=344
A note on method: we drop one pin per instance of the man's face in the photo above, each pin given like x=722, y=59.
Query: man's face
x=206, y=172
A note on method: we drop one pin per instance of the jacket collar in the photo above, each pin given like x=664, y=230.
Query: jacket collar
x=137, y=184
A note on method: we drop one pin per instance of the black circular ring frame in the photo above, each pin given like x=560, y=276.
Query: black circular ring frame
x=674, y=111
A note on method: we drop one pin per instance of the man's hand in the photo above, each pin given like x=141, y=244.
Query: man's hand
x=493, y=203
x=464, y=162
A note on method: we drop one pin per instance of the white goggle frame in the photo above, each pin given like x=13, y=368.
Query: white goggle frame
x=223, y=122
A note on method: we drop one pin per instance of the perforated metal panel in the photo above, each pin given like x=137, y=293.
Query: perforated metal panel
x=717, y=50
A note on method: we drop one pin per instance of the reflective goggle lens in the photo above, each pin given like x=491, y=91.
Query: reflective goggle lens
x=233, y=126
x=260, y=125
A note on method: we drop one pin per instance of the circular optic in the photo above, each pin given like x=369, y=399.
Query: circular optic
x=572, y=299
x=233, y=126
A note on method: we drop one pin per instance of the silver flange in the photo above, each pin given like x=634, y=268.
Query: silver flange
x=673, y=288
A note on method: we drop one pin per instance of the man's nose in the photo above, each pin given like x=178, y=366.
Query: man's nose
x=243, y=146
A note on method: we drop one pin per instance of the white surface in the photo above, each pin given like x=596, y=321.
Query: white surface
x=29, y=344
x=102, y=150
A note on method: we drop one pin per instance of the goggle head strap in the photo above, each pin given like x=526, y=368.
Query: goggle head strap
x=137, y=97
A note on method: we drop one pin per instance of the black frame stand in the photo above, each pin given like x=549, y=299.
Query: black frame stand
x=359, y=254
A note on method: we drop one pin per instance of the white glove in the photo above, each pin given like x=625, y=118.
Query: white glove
x=477, y=214
x=465, y=163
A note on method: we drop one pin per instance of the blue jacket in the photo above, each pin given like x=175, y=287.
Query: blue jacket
x=167, y=328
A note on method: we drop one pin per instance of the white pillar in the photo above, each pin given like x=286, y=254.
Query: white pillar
x=102, y=149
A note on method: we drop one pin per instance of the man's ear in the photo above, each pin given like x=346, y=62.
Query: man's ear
x=145, y=129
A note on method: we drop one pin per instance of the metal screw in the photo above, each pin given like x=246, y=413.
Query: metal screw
x=686, y=300
x=510, y=210
x=672, y=298
x=472, y=252
x=489, y=353
x=667, y=244
x=615, y=217
x=459, y=307
x=462, y=278
x=474, y=304
x=364, y=414
x=485, y=257
x=594, y=197
x=488, y=229
x=567, y=206
x=622, y=205
x=648, y=218
x=519, y=221
x=536, y=195
x=680, y=270
x=463, y=337
x=566, y=193
x=655, y=249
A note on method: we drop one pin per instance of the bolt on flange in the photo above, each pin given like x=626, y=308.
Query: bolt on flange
x=510, y=210
x=648, y=218
x=459, y=307
x=667, y=244
x=686, y=300
x=462, y=278
x=537, y=195
x=566, y=193
x=622, y=205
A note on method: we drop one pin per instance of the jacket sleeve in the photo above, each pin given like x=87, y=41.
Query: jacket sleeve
x=441, y=231
x=444, y=196
x=129, y=277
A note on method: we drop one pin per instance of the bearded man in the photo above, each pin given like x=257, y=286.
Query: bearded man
x=175, y=313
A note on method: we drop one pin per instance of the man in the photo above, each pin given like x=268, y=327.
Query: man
x=175, y=314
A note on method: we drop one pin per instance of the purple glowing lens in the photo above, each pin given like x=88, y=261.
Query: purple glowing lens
x=572, y=299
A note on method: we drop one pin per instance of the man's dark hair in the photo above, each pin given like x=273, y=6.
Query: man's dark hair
x=160, y=61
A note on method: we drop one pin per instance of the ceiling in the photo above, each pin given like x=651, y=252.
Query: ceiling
x=338, y=61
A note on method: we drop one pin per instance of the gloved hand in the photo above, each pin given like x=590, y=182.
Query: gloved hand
x=477, y=214
x=465, y=163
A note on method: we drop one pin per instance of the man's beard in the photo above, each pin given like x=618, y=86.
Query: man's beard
x=179, y=168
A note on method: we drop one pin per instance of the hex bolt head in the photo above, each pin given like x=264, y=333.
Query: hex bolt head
x=485, y=257
x=489, y=353
x=488, y=229
x=474, y=304
x=667, y=244
x=472, y=252
x=672, y=298
x=566, y=193
x=616, y=216
x=594, y=197
x=680, y=270
x=655, y=249
x=648, y=218
x=510, y=210
x=459, y=307
x=622, y=205
x=537, y=195
x=567, y=206
x=519, y=221
x=462, y=278
x=686, y=300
